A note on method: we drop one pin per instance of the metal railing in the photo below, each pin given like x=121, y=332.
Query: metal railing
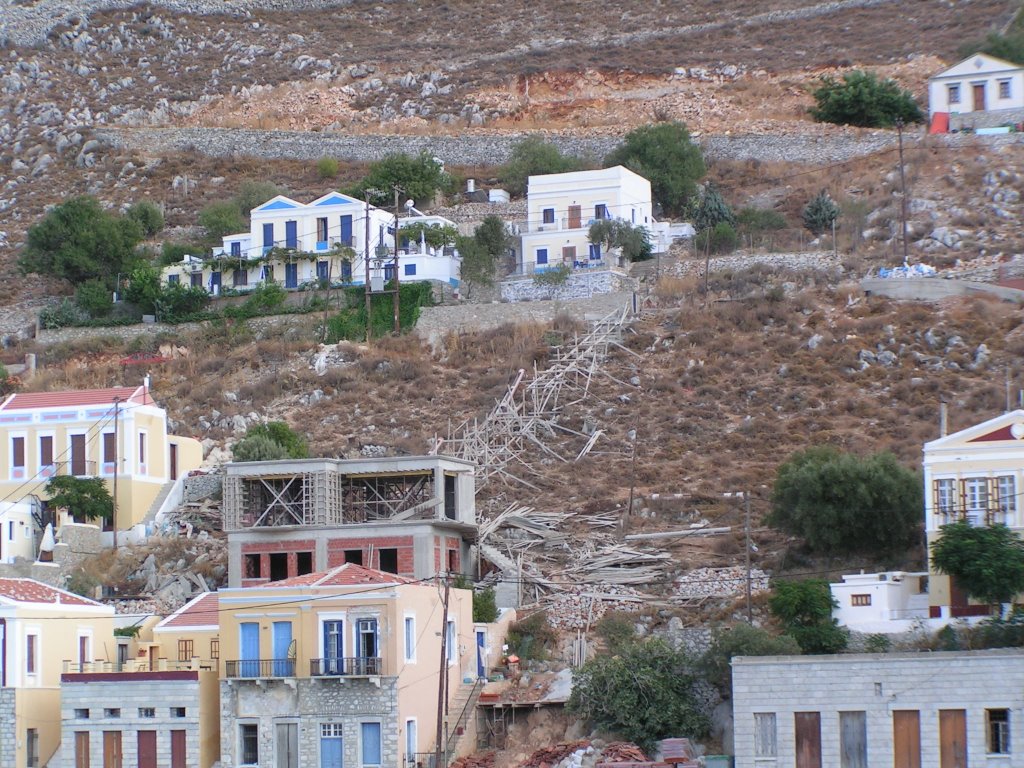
x=349, y=666
x=259, y=668
x=134, y=666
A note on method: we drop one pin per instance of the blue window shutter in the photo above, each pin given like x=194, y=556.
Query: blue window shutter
x=173, y=279
x=370, y=733
x=542, y=255
x=268, y=235
x=346, y=229
x=410, y=270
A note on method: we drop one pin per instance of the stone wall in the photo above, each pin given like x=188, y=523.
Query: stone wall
x=199, y=487
x=47, y=337
x=310, y=702
x=801, y=262
x=471, y=149
x=578, y=285
x=993, y=119
x=9, y=729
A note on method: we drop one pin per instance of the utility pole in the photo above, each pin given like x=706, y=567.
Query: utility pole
x=398, y=328
x=366, y=280
x=903, y=191
x=442, y=692
x=746, y=531
x=117, y=460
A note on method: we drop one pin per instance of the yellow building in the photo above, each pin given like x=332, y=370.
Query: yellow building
x=118, y=434
x=975, y=474
x=41, y=627
x=154, y=708
x=343, y=668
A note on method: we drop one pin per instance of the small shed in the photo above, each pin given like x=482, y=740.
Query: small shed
x=982, y=87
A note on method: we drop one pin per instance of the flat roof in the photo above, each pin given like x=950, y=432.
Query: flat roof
x=874, y=658
x=380, y=466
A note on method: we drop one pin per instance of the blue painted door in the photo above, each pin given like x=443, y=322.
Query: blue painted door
x=346, y=271
x=268, y=236
x=331, y=746
x=283, y=666
x=334, y=648
x=389, y=272
x=291, y=275
x=481, y=646
x=249, y=648
x=291, y=234
x=346, y=230
x=542, y=255
x=323, y=270
x=595, y=251
x=214, y=279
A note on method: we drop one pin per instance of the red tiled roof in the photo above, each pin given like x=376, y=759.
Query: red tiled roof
x=346, y=575
x=202, y=611
x=32, y=591
x=80, y=397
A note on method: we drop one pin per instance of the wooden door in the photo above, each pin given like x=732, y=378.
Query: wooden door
x=808, y=739
x=111, y=749
x=177, y=749
x=78, y=455
x=979, y=97
x=82, y=749
x=906, y=738
x=853, y=740
x=575, y=216
x=153, y=650
x=569, y=255
x=952, y=738
x=83, y=653
x=174, y=461
x=147, y=749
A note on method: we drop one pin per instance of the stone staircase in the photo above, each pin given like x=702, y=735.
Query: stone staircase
x=161, y=497
x=461, y=714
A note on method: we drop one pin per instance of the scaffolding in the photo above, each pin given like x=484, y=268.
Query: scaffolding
x=528, y=414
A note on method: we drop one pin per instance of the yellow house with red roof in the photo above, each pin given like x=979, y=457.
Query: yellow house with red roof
x=343, y=668
x=41, y=627
x=118, y=434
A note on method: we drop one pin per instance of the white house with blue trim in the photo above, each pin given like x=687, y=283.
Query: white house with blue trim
x=296, y=244
x=562, y=206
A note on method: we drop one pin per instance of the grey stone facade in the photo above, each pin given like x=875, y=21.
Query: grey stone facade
x=9, y=731
x=129, y=694
x=200, y=487
x=990, y=119
x=578, y=285
x=310, y=703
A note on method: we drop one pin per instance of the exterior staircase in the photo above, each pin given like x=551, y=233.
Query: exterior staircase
x=158, y=502
x=461, y=714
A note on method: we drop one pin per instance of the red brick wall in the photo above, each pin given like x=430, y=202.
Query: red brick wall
x=264, y=550
x=441, y=550
x=404, y=544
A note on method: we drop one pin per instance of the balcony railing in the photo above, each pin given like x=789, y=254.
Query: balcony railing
x=259, y=668
x=977, y=516
x=131, y=666
x=360, y=666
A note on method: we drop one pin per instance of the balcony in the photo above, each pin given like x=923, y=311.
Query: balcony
x=137, y=666
x=259, y=668
x=359, y=666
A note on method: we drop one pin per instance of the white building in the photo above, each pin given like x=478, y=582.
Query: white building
x=17, y=531
x=562, y=206
x=978, y=84
x=960, y=709
x=976, y=475
x=881, y=602
x=296, y=244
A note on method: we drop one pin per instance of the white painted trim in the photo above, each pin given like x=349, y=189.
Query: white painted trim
x=409, y=652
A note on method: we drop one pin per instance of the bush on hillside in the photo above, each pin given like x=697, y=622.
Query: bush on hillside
x=533, y=156
x=148, y=216
x=820, y=212
x=862, y=99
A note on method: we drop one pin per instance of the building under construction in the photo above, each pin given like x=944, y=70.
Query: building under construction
x=410, y=515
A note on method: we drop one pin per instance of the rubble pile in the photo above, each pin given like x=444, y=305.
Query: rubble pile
x=580, y=607
x=550, y=757
x=623, y=752
x=720, y=582
x=483, y=760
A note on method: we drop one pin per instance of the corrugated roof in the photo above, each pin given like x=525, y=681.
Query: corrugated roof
x=201, y=611
x=346, y=575
x=32, y=591
x=79, y=397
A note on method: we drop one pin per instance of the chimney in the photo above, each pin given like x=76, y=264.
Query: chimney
x=470, y=186
x=943, y=419
x=146, y=381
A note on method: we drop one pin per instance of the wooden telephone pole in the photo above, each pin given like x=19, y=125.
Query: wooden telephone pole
x=398, y=328
x=366, y=280
x=442, y=684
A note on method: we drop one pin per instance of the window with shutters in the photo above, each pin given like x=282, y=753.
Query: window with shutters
x=945, y=497
x=17, y=458
x=184, y=650
x=46, y=467
x=764, y=734
x=1006, y=489
x=860, y=601
x=975, y=494
x=109, y=453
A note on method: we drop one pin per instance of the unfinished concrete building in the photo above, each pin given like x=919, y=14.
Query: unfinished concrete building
x=411, y=515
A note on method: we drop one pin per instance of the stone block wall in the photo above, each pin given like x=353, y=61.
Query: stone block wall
x=310, y=702
x=992, y=119
x=8, y=729
x=578, y=285
x=199, y=487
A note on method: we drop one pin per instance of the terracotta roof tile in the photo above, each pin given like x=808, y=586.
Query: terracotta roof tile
x=202, y=611
x=346, y=575
x=76, y=398
x=32, y=591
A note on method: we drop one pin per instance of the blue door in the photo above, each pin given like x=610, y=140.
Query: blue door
x=542, y=255
x=291, y=275
x=331, y=745
x=481, y=648
x=323, y=270
x=389, y=272
x=346, y=230
x=346, y=271
x=249, y=645
x=291, y=234
x=334, y=648
x=268, y=237
x=595, y=251
x=283, y=665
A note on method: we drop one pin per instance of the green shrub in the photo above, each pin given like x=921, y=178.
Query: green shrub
x=94, y=297
x=62, y=315
x=220, y=219
x=804, y=609
x=148, y=216
x=820, y=212
x=741, y=640
x=350, y=324
x=862, y=99
x=266, y=298
x=485, y=607
x=712, y=210
x=172, y=253
x=756, y=221
x=532, y=637
x=553, y=276
x=617, y=629
x=251, y=194
x=1008, y=47
x=531, y=157
x=327, y=167
x=721, y=239
x=258, y=448
x=177, y=303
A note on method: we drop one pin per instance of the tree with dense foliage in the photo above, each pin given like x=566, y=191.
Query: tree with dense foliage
x=78, y=241
x=420, y=178
x=148, y=216
x=712, y=210
x=87, y=498
x=820, y=212
x=434, y=235
x=664, y=155
x=741, y=640
x=273, y=440
x=481, y=253
x=254, y=193
x=844, y=504
x=1008, y=47
x=864, y=100
x=804, y=608
x=493, y=236
x=94, y=297
x=221, y=218
x=987, y=562
x=646, y=692
x=632, y=241
x=533, y=156
x=722, y=238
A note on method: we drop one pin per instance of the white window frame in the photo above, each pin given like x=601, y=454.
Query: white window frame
x=1007, y=488
x=945, y=503
x=976, y=499
x=409, y=633
x=85, y=632
x=34, y=678
x=143, y=450
x=1006, y=731
x=238, y=734
x=450, y=642
x=1006, y=83
x=380, y=745
x=762, y=750
x=953, y=93
x=410, y=756
x=341, y=616
x=102, y=458
x=46, y=470
x=17, y=473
